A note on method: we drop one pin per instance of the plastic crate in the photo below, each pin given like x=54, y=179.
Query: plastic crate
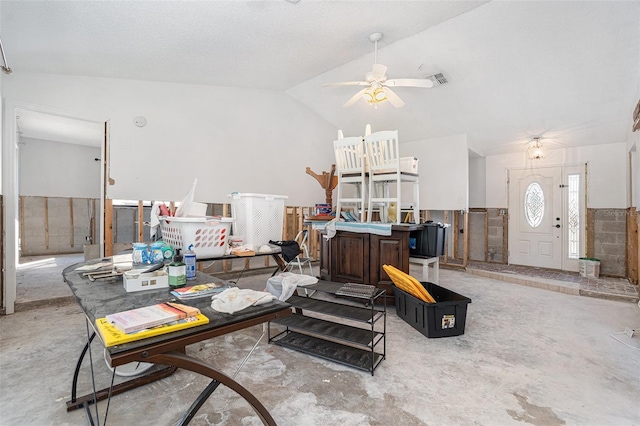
x=209, y=235
x=445, y=318
x=258, y=217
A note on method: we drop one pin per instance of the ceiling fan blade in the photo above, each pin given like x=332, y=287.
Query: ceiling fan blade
x=393, y=98
x=348, y=83
x=379, y=71
x=355, y=98
x=409, y=82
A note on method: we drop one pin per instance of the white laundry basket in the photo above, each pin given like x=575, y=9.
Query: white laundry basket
x=258, y=217
x=209, y=235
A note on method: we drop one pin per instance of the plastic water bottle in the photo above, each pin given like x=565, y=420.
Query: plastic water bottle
x=190, y=261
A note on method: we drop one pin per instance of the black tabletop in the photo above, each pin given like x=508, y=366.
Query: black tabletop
x=108, y=296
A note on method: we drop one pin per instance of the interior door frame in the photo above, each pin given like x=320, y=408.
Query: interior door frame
x=10, y=188
x=566, y=263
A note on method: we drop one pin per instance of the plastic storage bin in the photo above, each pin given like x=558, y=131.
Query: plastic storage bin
x=589, y=268
x=446, y=317
x=209, y=235
x=258, y=217
x=428, y=241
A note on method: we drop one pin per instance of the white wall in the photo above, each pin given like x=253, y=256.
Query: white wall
x=53, y=169
x=230, y=139
x=444, y=171
x=1, y=125
x=477, y=182
x=606, y=177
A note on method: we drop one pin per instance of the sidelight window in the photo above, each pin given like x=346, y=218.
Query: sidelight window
x=573, y=210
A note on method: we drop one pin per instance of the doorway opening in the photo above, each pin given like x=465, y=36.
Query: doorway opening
x=55, y=193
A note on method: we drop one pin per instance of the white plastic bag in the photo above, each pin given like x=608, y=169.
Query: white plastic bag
x=283, y=285
x=185, y=205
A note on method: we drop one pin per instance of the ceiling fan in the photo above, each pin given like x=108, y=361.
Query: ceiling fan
x=378, y=84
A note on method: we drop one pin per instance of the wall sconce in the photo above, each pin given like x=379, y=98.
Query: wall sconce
x=536, y=150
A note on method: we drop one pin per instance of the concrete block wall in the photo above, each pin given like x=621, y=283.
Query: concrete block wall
x=608, y=233
x=32, y=225
x=82, y=212
x=496, y=235
x=59, y=226
x=476, y=236
x=125, y=224
x=609, y=240
x=54, y=225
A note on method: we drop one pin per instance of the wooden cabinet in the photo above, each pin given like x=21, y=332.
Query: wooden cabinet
x=392, y=250
x=348, y=250
x=358, y=257
x=325, y=257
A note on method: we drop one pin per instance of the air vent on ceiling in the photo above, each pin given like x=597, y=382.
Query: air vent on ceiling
x=438, y=79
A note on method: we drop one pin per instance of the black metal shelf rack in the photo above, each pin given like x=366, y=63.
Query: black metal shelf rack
x=319, y=326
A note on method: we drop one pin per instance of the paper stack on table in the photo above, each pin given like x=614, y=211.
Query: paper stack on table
x=150, y=316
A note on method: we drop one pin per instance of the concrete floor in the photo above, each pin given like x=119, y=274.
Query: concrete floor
x=529, y=355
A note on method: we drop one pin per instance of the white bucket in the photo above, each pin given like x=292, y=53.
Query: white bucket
x=589, y=268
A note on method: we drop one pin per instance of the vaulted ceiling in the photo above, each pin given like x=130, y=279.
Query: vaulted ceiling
x=565, y=71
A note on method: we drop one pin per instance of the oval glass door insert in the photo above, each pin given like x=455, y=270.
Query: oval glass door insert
x=534, y=204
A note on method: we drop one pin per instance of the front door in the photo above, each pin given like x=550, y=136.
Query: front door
x=535, y=208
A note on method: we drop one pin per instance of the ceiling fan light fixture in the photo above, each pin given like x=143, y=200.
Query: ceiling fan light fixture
x=379, y=84
x=374, y=96
x=536, y=150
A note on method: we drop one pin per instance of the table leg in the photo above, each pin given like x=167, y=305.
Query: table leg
x=206, y=393
x=436, y=271
x=425, y=262
x=180, y=360
x=282, y=265
x=279, y=261
x=74, y=385
x=103, y=394
x=83, y=401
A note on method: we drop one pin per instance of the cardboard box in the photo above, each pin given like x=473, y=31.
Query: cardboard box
x=409, y=165
x=150, y=281
x=444, y=318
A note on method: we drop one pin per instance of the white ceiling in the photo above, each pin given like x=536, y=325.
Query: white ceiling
x=566, y=71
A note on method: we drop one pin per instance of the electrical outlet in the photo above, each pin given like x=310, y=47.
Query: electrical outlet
x=628, y=332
